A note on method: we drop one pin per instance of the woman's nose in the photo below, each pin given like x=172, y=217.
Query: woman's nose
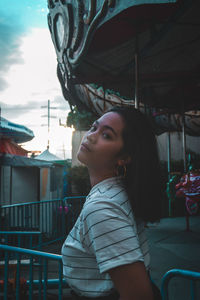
x=91, y=136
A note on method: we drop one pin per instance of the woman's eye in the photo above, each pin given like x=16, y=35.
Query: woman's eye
x=106, y=135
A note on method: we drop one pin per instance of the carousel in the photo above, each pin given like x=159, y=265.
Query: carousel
x=132, y=53
x=12, y=134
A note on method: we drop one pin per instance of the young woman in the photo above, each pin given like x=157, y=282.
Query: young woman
x=106, y=256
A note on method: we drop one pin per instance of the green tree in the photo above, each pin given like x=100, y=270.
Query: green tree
x=80, y=120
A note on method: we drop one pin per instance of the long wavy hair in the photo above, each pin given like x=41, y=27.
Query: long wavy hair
x=143, y=177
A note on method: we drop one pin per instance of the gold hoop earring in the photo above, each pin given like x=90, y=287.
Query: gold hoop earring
x=121, y=171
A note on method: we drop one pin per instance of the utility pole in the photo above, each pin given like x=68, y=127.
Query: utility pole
x=0, y=122
x=48, y=119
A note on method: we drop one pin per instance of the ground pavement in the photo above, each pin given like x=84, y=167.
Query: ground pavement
x=172, y=246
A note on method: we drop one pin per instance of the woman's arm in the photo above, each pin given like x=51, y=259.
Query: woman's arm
x=132, y=282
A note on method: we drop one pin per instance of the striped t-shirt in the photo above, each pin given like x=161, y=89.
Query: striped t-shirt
x=105, y=236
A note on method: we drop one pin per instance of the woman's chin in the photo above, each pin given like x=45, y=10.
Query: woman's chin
x=80, y=158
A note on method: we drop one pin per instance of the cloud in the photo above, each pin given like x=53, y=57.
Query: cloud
x=11, y=32
x=35, y=79
x=11, y=111
x=28, y=74
x=21, y=112
x=3, y=83
x=61, y=103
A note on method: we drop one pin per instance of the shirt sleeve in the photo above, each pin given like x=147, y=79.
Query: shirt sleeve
x=109, y=234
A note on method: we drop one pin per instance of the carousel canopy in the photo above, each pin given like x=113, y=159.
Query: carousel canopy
x=7, y=146
x=96, y=43
x=15, y=132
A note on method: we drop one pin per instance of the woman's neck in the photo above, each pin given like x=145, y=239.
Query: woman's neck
x=96, y=177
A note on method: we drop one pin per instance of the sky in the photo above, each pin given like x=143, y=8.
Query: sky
x=28, y=76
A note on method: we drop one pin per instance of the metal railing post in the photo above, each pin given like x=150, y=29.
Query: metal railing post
x=60, y=281
x=18, y=277
x=190, y=275
x=6, y=276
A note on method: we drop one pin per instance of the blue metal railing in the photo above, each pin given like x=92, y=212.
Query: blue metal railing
x=37, y=276
x=29, y=216
x=53, y=218
x=190, y=275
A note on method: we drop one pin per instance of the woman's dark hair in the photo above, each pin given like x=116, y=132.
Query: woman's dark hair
x=143, y=177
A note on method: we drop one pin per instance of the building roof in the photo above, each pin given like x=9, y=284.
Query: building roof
x=48, y=156
x=22, y=161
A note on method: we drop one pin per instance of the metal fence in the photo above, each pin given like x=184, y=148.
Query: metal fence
x=32, y=225
x=34, y=273
x=192, y=278
x=30, y=274
x=53, y=218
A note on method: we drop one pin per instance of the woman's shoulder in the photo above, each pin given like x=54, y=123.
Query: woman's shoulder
x=113, y=201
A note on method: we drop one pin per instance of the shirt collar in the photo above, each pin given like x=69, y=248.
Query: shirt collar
x=106, y=184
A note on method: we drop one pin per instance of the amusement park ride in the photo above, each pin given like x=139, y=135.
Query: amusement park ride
x=131, y=53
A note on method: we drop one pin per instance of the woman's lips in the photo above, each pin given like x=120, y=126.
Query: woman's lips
x=85, y=146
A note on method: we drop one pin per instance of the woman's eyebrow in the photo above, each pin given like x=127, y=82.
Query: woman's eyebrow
x=106, y=127
x=97, y=123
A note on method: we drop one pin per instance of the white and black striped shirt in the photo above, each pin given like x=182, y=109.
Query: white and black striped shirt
x=105, y=236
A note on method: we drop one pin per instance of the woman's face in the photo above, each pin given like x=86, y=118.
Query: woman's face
x=102, y=145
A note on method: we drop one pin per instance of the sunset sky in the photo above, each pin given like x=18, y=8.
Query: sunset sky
x=28, y=75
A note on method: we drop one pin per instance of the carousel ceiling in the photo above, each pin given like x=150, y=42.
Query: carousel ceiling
x=96, y=43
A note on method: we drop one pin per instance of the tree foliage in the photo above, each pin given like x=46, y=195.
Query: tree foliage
x=80, y=120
